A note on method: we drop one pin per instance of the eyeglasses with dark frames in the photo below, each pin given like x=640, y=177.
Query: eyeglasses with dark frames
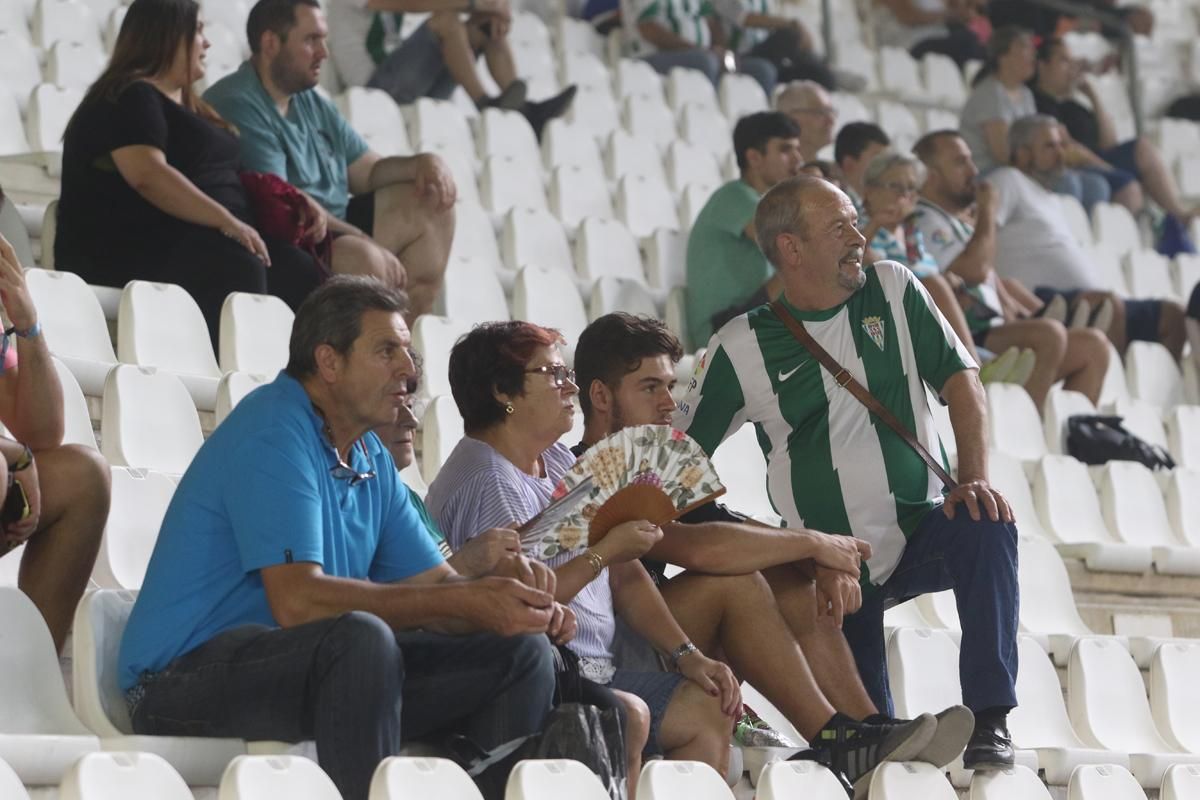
x=559, y=372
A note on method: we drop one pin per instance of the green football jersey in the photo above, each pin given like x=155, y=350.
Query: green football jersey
x=831, y=465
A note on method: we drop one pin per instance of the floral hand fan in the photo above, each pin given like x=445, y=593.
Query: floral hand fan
x=649, y=472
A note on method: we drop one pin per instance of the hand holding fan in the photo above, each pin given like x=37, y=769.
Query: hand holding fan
x=649, y=472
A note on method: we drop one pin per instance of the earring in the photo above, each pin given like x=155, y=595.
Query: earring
x=508, y=408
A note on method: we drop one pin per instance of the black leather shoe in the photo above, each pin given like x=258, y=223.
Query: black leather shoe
x=990, y=747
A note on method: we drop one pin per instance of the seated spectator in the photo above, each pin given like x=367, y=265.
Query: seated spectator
x=999, y=97
x=830, y=468
x=294, y=592
x=680, y=33
x=507, y=466
x=368, y=50
x=726, y=273
x=503, y=472
x=957, y=214
x=1093, y=146
x=890, y=186
x=810, y=107
x=400, y=222
x=756, y=30
x=739, y=570
x=481, y=556
x=1035, y=246
x=856, y=144
x=150, y=186
x=1046, y=21
x=929, y=26
x=54, y=496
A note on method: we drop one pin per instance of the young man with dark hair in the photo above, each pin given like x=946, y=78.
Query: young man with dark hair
x=748, y=591
x=856, y=144
x=391, y=218
x=726, y=272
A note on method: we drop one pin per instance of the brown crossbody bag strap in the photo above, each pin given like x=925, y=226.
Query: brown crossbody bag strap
x=844, y=379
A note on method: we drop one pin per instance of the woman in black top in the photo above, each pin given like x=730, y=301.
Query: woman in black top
x=150, y=186
x=1094, y=143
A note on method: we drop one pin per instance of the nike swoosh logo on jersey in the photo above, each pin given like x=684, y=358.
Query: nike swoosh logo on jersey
x=783, y=376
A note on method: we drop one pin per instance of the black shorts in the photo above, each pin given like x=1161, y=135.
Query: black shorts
x=1141, y=316
x=361, y=212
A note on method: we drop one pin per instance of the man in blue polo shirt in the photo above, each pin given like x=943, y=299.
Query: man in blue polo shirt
x=294, y=593
x=392, y=218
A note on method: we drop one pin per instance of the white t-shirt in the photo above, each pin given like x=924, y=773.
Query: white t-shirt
x=990, y=101
x=1034, y=244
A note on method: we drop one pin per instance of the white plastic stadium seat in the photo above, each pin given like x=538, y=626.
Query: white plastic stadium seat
x=900, y=74
x=645, y=204
x=743, y=469
x=232, y=388
x=1183, y=435
x=19, y=62
x=634, y=76
x=1047, y=603
x=441, y=428
x=293, y=777
x=567, y=143
x=123, y=776
x=626, y=154
x=74, y=64
x=1148, y=274
x=578, y=192
x=1182, y=782
x=548, y=297
x=1153, y=375
x=63, y=20
x=472, y=291
x=1040, y=721
x=1006, y=784
x=1114, y=389
x=1016, y=426
x=1134, y=510
x=399, y=778
x=943, y=80
x=12, y=128
x=474, y=237
x=704, y=126
x=534, y=236
x=433, y=338
x=1185, y=274
x=504, y=184
x=1109, y=709
x=664, y=254
x=695, y=197
x=605, y=247
x=74, y=326
x=900, y=123
x=431, y=120
x=1175, y=694
x=255, y=329
x=1077, y=220
x=649, y=117
x=50, y=108
x=689, y=86
x=584, y=69
x=611, y=294
x=508, y=133
x=740, y=95
x=787, y=780
x=377, y=118
x=689, y=163
x=1183, y=504
x=11, y=787
x=148, y=420
x=1061, y=405
x=553, y=780
x=594, y=110
x=1114, y=228
x=1070, y=511
x=1104, y=782
x=40, y=736
x=666, y=780
x=139, y=502
x=895, y=780
x=76, y=418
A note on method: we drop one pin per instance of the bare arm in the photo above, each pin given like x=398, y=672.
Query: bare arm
x=430, y=174
x=435, y=599
x=31, y=401
x=730, y=548
x=661, y=36
x=976, y=261
x=626, y=542
x=1104, y=120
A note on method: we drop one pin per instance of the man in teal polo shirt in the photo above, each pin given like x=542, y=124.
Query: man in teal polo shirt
x=726, y=272
x=392, y=218
x=294, y=592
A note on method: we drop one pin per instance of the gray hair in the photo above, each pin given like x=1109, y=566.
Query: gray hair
x=333, y=314
x=1021, y=132
x=790, y=90
x=781, y=210
x=886, y=159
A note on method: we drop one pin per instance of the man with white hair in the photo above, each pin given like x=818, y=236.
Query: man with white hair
x=832, y=466
x=811, y=107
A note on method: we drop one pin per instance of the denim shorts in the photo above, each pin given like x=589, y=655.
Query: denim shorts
x=657, y=689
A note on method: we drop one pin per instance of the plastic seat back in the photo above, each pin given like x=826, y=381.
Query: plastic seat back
x=922, y=671
x=100, y=622
x=255, y=331
x=472, y=291
x=645, y=204
x=743, y=469
x=139, y=503
x=1133, y=506
x=626, y=154
x=786, y=780
x=1183, y=435
x=76, y=417
x=1103, y=782
x=611, y=294
x=534, y=236
x=441, y=429
x=665, y=780
x=11, y=787
x=1107, y=699
x=50, y=108
x=123, y=776
x=706, y=127
x=1067, y=502
x=741, y=95
x=148, y=420
x=910, y=779
x=1182, y=782
x=553, y=780
x=234, y=386
x=398, y=778
x=1061, y=405
x=1153, y=375
x=293, y=777
x=606, y=248
x=504, y=184
x=71, y=317
x=377, y=118
x=1016, y=426
x=1175, y=694
x=161, y=326
x=578, y=192
x=1047, y=601
x=1040, y=718
x=1007, y=784
x=433, y=338
x=549, y=297
x=1183, y=504
x=1006, y=473
x=664, y=254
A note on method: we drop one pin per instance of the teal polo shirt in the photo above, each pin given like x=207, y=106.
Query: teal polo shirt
x=311, y=148
x=260, y=493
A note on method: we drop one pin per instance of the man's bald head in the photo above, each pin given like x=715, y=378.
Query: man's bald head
x=781, y=210
x=810, y=106
x=800, y=93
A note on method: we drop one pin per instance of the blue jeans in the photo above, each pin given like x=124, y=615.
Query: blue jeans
x=706, y=61
x=978, y=560
x=355, y=686
x=1085, y=186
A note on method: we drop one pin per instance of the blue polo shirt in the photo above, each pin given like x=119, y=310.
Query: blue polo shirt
x=259, y=493
x=311, y=148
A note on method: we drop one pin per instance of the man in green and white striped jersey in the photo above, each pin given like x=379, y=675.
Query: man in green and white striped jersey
x=834, y=467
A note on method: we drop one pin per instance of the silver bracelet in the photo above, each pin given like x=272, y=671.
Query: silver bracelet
x=681, y=651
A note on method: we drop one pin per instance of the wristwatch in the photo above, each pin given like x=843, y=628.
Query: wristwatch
x=24, y=461
x=28, y=333
x=681, y=651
